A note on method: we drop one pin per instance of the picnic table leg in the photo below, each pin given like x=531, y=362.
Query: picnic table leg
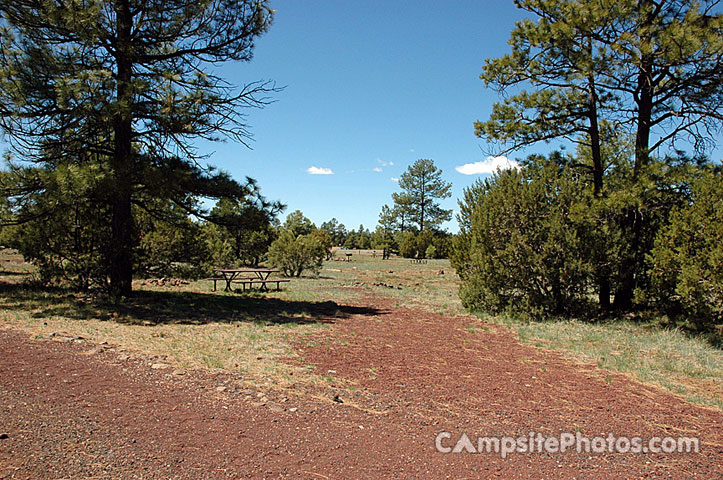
x=263, y=276
x=229, y=278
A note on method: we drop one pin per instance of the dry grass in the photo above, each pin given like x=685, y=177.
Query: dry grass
x=250, y=333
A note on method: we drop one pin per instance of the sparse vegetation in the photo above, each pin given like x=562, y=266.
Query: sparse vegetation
x=251, y=333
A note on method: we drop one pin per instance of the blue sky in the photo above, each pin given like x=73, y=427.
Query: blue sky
x=370, y=87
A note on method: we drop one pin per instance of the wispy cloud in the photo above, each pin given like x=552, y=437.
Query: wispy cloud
x=490, y=165
x=385, y=164
x=394, y=179
x=319, y=171
x=377, y=169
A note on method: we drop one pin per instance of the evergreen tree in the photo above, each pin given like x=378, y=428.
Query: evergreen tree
x=650, y=68
x=129, y=82
x=247, y=226
x=422, y=186
x=336, y=230
x=298, y=224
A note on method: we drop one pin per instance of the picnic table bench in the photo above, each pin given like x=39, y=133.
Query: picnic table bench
x=262, y=283
x=258, y=276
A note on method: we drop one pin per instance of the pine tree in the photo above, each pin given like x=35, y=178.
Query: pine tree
x=129, y=82
x=653, y=69
x=422, y=186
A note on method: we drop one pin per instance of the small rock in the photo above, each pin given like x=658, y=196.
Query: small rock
x=159, y=366
x=293, y=409
x=221, y=388
x=264, y=399
x=178, y=372
x=123, y=357
x=276, y=408
x=337, y=399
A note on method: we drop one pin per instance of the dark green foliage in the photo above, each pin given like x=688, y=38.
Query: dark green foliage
x=60, y=227
x=296, y=254
x=520, y=247
x=407, y=244
x=124, y=86
x=240, y=232
x=424, y=241
x=337, y=231
x=687, y=260
x=536, y=241
x=646, y=69
x=171, y=246
x=325, y=240
x=298, y=224
x=361, y=238
x=426, y=244
x=422, y=186
x=411, y=226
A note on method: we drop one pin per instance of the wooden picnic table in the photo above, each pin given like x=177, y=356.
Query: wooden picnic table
x=231, y=274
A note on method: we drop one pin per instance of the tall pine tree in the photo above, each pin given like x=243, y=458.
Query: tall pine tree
x=131, y=83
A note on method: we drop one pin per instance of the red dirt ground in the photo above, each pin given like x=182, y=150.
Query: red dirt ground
x=70, y=411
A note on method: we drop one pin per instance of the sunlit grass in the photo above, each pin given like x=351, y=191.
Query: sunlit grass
x=252, y=333
x=680, y=363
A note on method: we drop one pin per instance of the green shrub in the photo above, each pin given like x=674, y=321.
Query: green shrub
x=520, y=247
x=172, y=248
x=67, y=234
x=424, y=241
x=407, y=244
x=293, y=255
x=687, y=260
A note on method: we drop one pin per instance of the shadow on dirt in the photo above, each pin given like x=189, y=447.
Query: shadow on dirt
x=174, y=307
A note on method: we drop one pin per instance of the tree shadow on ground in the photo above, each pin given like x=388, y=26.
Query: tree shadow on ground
x=173, y=307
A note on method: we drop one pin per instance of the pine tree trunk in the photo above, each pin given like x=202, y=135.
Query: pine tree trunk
x=633, y=220
x=122, y=231
x=121, y=261
x=604, y=292
x=598, y=171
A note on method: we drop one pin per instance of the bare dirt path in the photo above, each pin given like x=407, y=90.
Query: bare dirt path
x=395, y=380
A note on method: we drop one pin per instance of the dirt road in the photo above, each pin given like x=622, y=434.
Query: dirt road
x=394, y=381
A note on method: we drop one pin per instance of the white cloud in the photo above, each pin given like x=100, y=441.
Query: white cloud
x=319, y=171
x=394, y=179
x=490, y=165
x=385, y=164
x=377, y=169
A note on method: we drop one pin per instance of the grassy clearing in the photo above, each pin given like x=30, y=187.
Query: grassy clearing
x=251, y=332
x=685, y=365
